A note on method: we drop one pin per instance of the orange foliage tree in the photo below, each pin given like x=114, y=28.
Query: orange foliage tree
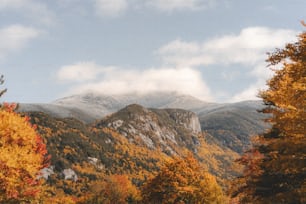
x=182, y=181
x=275, y=167
x=22, y=156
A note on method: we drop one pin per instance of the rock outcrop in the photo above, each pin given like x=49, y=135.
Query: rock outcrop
x=156, y=128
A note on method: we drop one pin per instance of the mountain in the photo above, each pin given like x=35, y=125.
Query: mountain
x=116, y=102
x=171, y=131
x=231, y=124
x=134, y=141
x=89, y=107
x=164, y=129
x=59, y=111
x=93, y=136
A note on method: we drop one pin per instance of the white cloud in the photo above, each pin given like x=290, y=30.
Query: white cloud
x=248, y=48
x=5, y=4
x=180, y=69
x=250, y=93
x=171, y=5
x=35, y=10
x=92, y=77
x=113, y=8
x=81, y=72
x=15, y=37
x=110, y=8
x=180, y=53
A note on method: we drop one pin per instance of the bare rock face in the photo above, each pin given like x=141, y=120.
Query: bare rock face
x=69, y=174
x=156, y=128
x=185, y=118
x=46, y=172
x=96, y=162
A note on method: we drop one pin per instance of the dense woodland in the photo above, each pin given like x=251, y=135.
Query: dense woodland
x=272, y=170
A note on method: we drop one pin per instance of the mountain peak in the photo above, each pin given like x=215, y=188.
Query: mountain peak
x=156, y=128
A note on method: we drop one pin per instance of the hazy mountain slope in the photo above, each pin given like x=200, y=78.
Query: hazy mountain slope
x=150, y=100
x=58, y=111
x=92, y=106
x=233, y=124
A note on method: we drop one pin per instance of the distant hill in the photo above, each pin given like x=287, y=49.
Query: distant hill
x=233, y=124
x=92, y=106
x=112, y=103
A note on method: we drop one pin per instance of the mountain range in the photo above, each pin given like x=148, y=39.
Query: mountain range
x=231, y=124
x=92, y=135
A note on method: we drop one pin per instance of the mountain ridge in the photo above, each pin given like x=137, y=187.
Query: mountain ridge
x=232, y=124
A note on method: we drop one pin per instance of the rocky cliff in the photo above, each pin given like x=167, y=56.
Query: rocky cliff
x=164, y=129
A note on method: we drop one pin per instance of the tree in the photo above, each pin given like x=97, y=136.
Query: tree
x=276, y=174
x=3, y=90
x=182, y=181
x=22, y=156
x=115, y=189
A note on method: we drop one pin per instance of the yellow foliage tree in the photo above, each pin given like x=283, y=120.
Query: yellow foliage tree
x=115, y=189
x=182, y=181
x=22, y=156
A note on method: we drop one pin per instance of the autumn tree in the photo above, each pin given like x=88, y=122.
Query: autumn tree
x=114, y=189
x=182, y=180
x=22, y=156
x=275, y=167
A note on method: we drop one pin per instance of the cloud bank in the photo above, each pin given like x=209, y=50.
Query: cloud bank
x=246, y=49
x=112, y=80
x=181, y=64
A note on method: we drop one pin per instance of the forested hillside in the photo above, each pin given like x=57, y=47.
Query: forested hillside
x=135, y=142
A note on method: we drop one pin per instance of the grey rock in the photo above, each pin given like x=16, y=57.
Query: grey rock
x=69, y=174
x=46, y=172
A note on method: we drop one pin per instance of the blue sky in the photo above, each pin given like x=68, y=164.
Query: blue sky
x=212, y=49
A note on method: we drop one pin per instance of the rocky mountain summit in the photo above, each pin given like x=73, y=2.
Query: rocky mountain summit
x=164, y=129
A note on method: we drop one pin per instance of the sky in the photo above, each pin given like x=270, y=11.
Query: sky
x=214, y=50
